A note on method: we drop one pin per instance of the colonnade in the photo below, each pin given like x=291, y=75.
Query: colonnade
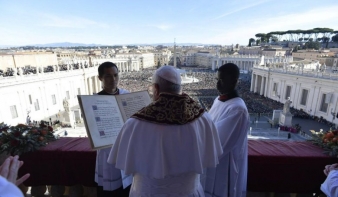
x=259, y=84
x=242, y=64
x=124, y=65
x=92, y=85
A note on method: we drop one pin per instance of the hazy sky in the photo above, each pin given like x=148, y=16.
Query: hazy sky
x=113, y=22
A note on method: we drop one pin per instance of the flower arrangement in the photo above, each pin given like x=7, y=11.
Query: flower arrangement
x=327, y=140
x=16, y=140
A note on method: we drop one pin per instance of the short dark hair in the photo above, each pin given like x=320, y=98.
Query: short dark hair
x=106, y=65
x=229, y=70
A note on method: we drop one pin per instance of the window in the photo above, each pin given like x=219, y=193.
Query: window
x=304, y=97
x=323, y=104
x=53, y=99
x=30, y=99
x=274, y=90
x=36, y=105
x=13, y=111
x=288, y=92
x=67, y=95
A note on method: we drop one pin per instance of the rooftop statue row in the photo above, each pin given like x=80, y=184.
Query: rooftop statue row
x=315, y=70
x=37, y=70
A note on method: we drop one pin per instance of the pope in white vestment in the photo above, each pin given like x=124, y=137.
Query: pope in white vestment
x=231, y=117
x=168, y=144
x=8, y=189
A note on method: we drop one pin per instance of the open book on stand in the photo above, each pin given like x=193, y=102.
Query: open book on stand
x=104, y=115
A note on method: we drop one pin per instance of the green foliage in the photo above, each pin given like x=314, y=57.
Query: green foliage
x=16, y=140
x=312, y=45
x=262, y=37
x=274, y=39
x=335, y=38
x=295, y=35
x=327, y=141
x=258, y=42
x=251, y=40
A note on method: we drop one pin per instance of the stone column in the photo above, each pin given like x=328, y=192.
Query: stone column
x=262, y=85
x=255, y=88
x=90, y=86
x=252, y=82
x=85, y=86
x=95, y=85
x=265, y=86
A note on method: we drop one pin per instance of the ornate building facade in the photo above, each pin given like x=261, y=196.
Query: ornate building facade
x=315, y=91
x=246, y=62
x=40, y=95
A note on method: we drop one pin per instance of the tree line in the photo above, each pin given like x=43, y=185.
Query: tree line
x=324, y=35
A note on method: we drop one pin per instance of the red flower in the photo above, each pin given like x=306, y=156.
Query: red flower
x=4, y=129
x=33, y=131
x=43, y=132
x=15, y=143
x=50, y=128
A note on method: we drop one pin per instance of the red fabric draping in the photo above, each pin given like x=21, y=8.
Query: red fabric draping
x=274, y=166
x=67, y=161
x=286, y=166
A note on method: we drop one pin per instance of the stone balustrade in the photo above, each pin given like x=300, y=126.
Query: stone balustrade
x=305, y=72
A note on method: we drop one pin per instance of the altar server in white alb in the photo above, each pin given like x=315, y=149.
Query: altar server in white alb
x=108, y=178
x=231, y=117
x=330, y=186
x=168, y=144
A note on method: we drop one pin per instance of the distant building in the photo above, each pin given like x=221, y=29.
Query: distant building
x=40, y=95
x=161, y=57
x=17, y=60
x=246, y=62
x=323, y=56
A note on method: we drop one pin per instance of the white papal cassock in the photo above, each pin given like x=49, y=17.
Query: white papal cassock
x=330, y=186
x=8, y=189
x=167, y=159
x=106, y=175
x=229, y=178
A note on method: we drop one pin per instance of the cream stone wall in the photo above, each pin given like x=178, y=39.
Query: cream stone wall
x=24, y=92
x=147, y=60
x=6, y=61
x=22, y=60
x=250, y=51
